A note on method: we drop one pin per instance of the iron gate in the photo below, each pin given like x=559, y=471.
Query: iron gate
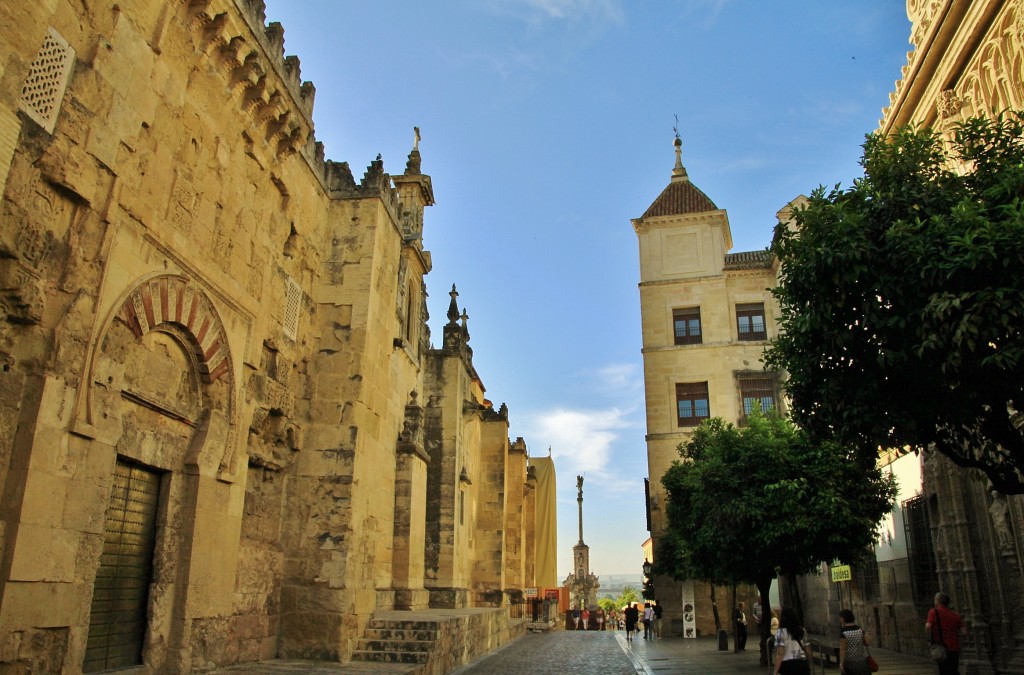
x=117, y=623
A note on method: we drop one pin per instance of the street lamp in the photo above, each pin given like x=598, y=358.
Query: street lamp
x=648, y=589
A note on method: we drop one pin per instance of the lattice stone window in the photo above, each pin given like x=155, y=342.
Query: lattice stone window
x=47, y=79
x=292, y=304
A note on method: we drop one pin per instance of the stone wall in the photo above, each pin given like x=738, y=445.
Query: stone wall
x=189, y=289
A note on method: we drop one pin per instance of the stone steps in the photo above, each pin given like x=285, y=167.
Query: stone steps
x=371, y=656
x=397, y=641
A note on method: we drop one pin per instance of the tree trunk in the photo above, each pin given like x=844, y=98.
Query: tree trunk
x=794, y=597
x=734, y=622
x=714, y=610
x=764, y=586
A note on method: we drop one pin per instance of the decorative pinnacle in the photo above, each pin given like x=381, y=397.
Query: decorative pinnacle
x=412, y=167
x=453, y=309
x=579, y=501
x=678, y=171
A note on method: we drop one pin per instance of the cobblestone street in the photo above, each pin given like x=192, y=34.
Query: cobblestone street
x=608, y=653
x=563, y=652
x=557, y=653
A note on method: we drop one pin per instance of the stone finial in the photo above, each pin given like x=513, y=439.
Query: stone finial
x=413, y=166
x=453, y=309
x=679, y=171
x=410, y=439
x=454, y=334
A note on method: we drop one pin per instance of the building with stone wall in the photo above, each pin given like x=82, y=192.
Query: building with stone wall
x=706, y=318
x=950, y=531
x=225, y=434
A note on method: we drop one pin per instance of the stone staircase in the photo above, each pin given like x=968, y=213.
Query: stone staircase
x=404, y=641
x=433, y=642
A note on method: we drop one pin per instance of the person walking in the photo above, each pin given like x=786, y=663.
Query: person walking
x=631, y=614
x=944, y=628
x=599, y=617
x=853, y=644
x=792, y=656
x=648, y=620
x=576, y=618
x=739, y=617
x=657, y=620
x=586, y=619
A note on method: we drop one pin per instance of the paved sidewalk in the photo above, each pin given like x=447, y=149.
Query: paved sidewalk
x=676, y=655
x=564, y=652
x=591, y=653
x=558, y=652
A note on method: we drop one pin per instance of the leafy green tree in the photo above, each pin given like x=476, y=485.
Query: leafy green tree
x=628, y=597
x=902, y=300
x=747, y=504
x=607, y=604
x=648, y=592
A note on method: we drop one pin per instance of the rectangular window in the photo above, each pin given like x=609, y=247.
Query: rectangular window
x=758, y=389
x=924, y=578
x=750, y=323
x=692, y=403
x=687, y=326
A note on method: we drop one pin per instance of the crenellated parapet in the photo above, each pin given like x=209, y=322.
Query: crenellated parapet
x=263, y=82
x=267, y=85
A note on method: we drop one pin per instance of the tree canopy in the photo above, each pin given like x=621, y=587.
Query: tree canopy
x=746, y=504
x=902, y=297
x=628, y=597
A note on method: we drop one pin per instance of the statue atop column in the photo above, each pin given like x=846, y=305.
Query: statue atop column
x=579, y=502
x=581, y=584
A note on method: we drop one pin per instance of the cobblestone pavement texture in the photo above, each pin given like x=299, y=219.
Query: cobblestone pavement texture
x=556, y=653
x=564, y=652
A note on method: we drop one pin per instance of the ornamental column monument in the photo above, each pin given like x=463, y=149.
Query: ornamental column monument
x=581, y=584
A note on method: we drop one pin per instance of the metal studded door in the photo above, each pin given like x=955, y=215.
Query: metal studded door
x=117, y=623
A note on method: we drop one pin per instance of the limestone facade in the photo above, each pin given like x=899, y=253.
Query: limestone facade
x=706, y=318
x=951, y=531
x=225, y=434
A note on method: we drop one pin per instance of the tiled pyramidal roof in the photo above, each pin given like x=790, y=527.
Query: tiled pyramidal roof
x=680, y=196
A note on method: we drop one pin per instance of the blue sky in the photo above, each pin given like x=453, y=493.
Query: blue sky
x=546, y=126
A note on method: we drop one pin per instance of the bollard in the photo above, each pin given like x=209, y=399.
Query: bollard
x=723, y=640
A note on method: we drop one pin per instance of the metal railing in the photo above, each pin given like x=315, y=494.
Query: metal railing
x=517, y=609
x=820, y=653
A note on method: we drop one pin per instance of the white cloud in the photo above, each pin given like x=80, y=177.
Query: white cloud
x=620, y=377
x=580, y=440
